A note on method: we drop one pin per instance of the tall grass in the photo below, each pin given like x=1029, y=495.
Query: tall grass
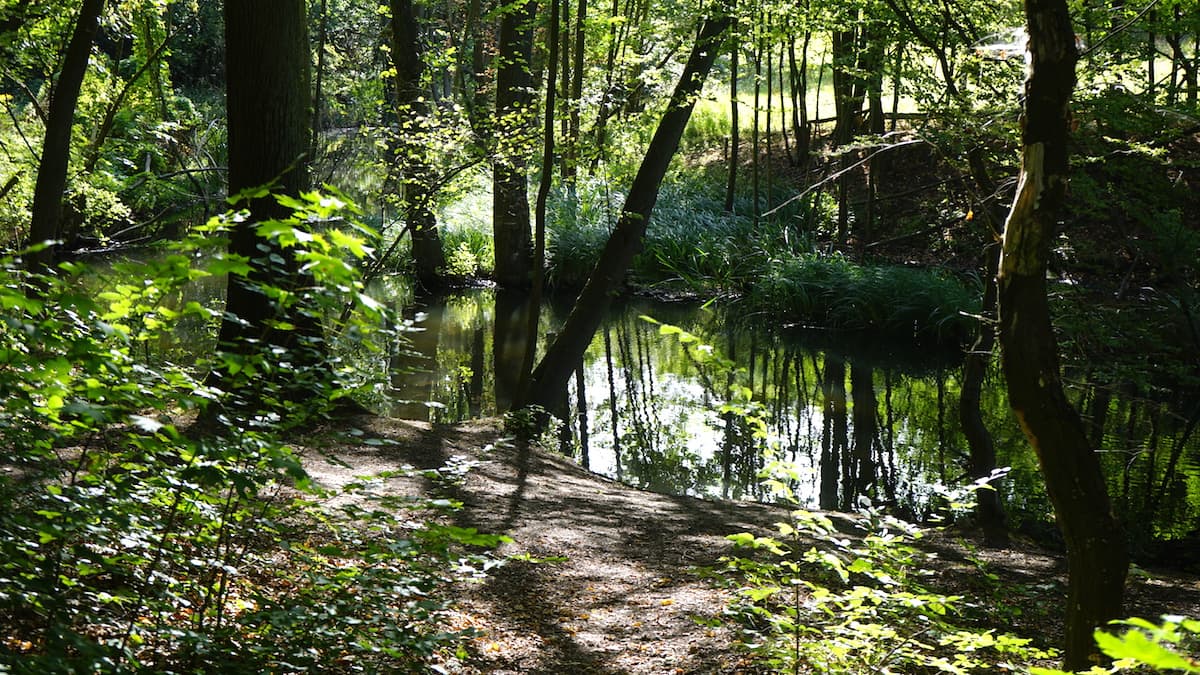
x=833, y=292
x=694, y=247
x=691, y=243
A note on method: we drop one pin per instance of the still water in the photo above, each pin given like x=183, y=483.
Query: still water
x=855, y=420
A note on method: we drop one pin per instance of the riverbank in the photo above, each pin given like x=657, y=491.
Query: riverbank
x=605, y=578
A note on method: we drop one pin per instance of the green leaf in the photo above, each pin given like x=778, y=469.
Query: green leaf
x=1136, y=645
x=230, y=264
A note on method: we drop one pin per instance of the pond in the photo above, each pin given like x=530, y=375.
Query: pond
x=859, y=422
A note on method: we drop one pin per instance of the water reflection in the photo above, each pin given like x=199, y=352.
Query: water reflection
x=858, y=422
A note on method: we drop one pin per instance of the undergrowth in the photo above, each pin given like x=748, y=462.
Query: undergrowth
x=857, y=597
x=131, y=542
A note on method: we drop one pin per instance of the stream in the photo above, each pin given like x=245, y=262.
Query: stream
x=857, y=422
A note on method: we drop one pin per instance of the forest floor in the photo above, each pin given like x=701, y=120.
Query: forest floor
x=619, y=590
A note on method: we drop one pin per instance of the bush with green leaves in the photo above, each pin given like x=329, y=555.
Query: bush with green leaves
x=133, y=542
x=836, y=602
x=1144, y=646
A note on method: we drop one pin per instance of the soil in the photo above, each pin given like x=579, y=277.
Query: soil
x=618, y=587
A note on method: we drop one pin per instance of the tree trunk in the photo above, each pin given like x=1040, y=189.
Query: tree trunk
x=543, y=196
x=799, y=92
x=846, y=100
x=268, y=111
x=45, y=221
x=554, y=371
x=510, y=200
x=1096, y=549
x=412, y=113
x=574, y=100
x=318, y=106
x=989, y=508
x=734, y=126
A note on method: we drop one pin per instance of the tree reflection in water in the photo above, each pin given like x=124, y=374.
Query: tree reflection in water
x=860, y=423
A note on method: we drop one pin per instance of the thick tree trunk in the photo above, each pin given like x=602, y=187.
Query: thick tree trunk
x=510, y=200
x=555, y=368
x=1096, y=549
x=846, y=104
x=46, y=215
x=412, y=112
x=268, y=104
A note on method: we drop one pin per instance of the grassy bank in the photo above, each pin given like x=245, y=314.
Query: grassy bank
x=770, y=269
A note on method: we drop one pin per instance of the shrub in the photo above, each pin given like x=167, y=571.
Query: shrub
x=131, y=545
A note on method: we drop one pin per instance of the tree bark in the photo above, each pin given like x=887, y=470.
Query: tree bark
x=575, y=99
x=735, y=140
x=46, y=216
x=543, y=196
x=1096, y=548
x=412, y=114
x=989, y=508
x=268, y=103
x=510, y=200
x=555, y=368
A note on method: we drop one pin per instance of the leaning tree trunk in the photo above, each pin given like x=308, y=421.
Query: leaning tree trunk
x=561, y=358
x=1096, y=549
x=44, y=224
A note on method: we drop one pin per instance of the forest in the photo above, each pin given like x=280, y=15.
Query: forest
x=547, y=336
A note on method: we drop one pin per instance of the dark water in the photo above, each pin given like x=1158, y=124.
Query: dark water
x=856, y=421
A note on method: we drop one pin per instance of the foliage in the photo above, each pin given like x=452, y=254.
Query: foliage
x=1167, y=647
x=831, y=291
x=852, y=600
x=142, y=153
x=132, y=544
x=691, y=244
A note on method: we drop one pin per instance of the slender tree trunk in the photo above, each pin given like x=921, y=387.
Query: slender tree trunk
x=571, y=142
x=873, y=66
x=989, y=507
x=799, y=89
x=783, y=132
x=735, y=140
x=1151, y=56
x=755, y=149
x=553, y=372
x=608, y=99
x=543, y=195
x=318, y=120
x=898, y=69
x=46, y=212
x=581, y=411
x=1096, y=549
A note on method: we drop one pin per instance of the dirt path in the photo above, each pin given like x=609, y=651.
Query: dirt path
x=623, y=599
